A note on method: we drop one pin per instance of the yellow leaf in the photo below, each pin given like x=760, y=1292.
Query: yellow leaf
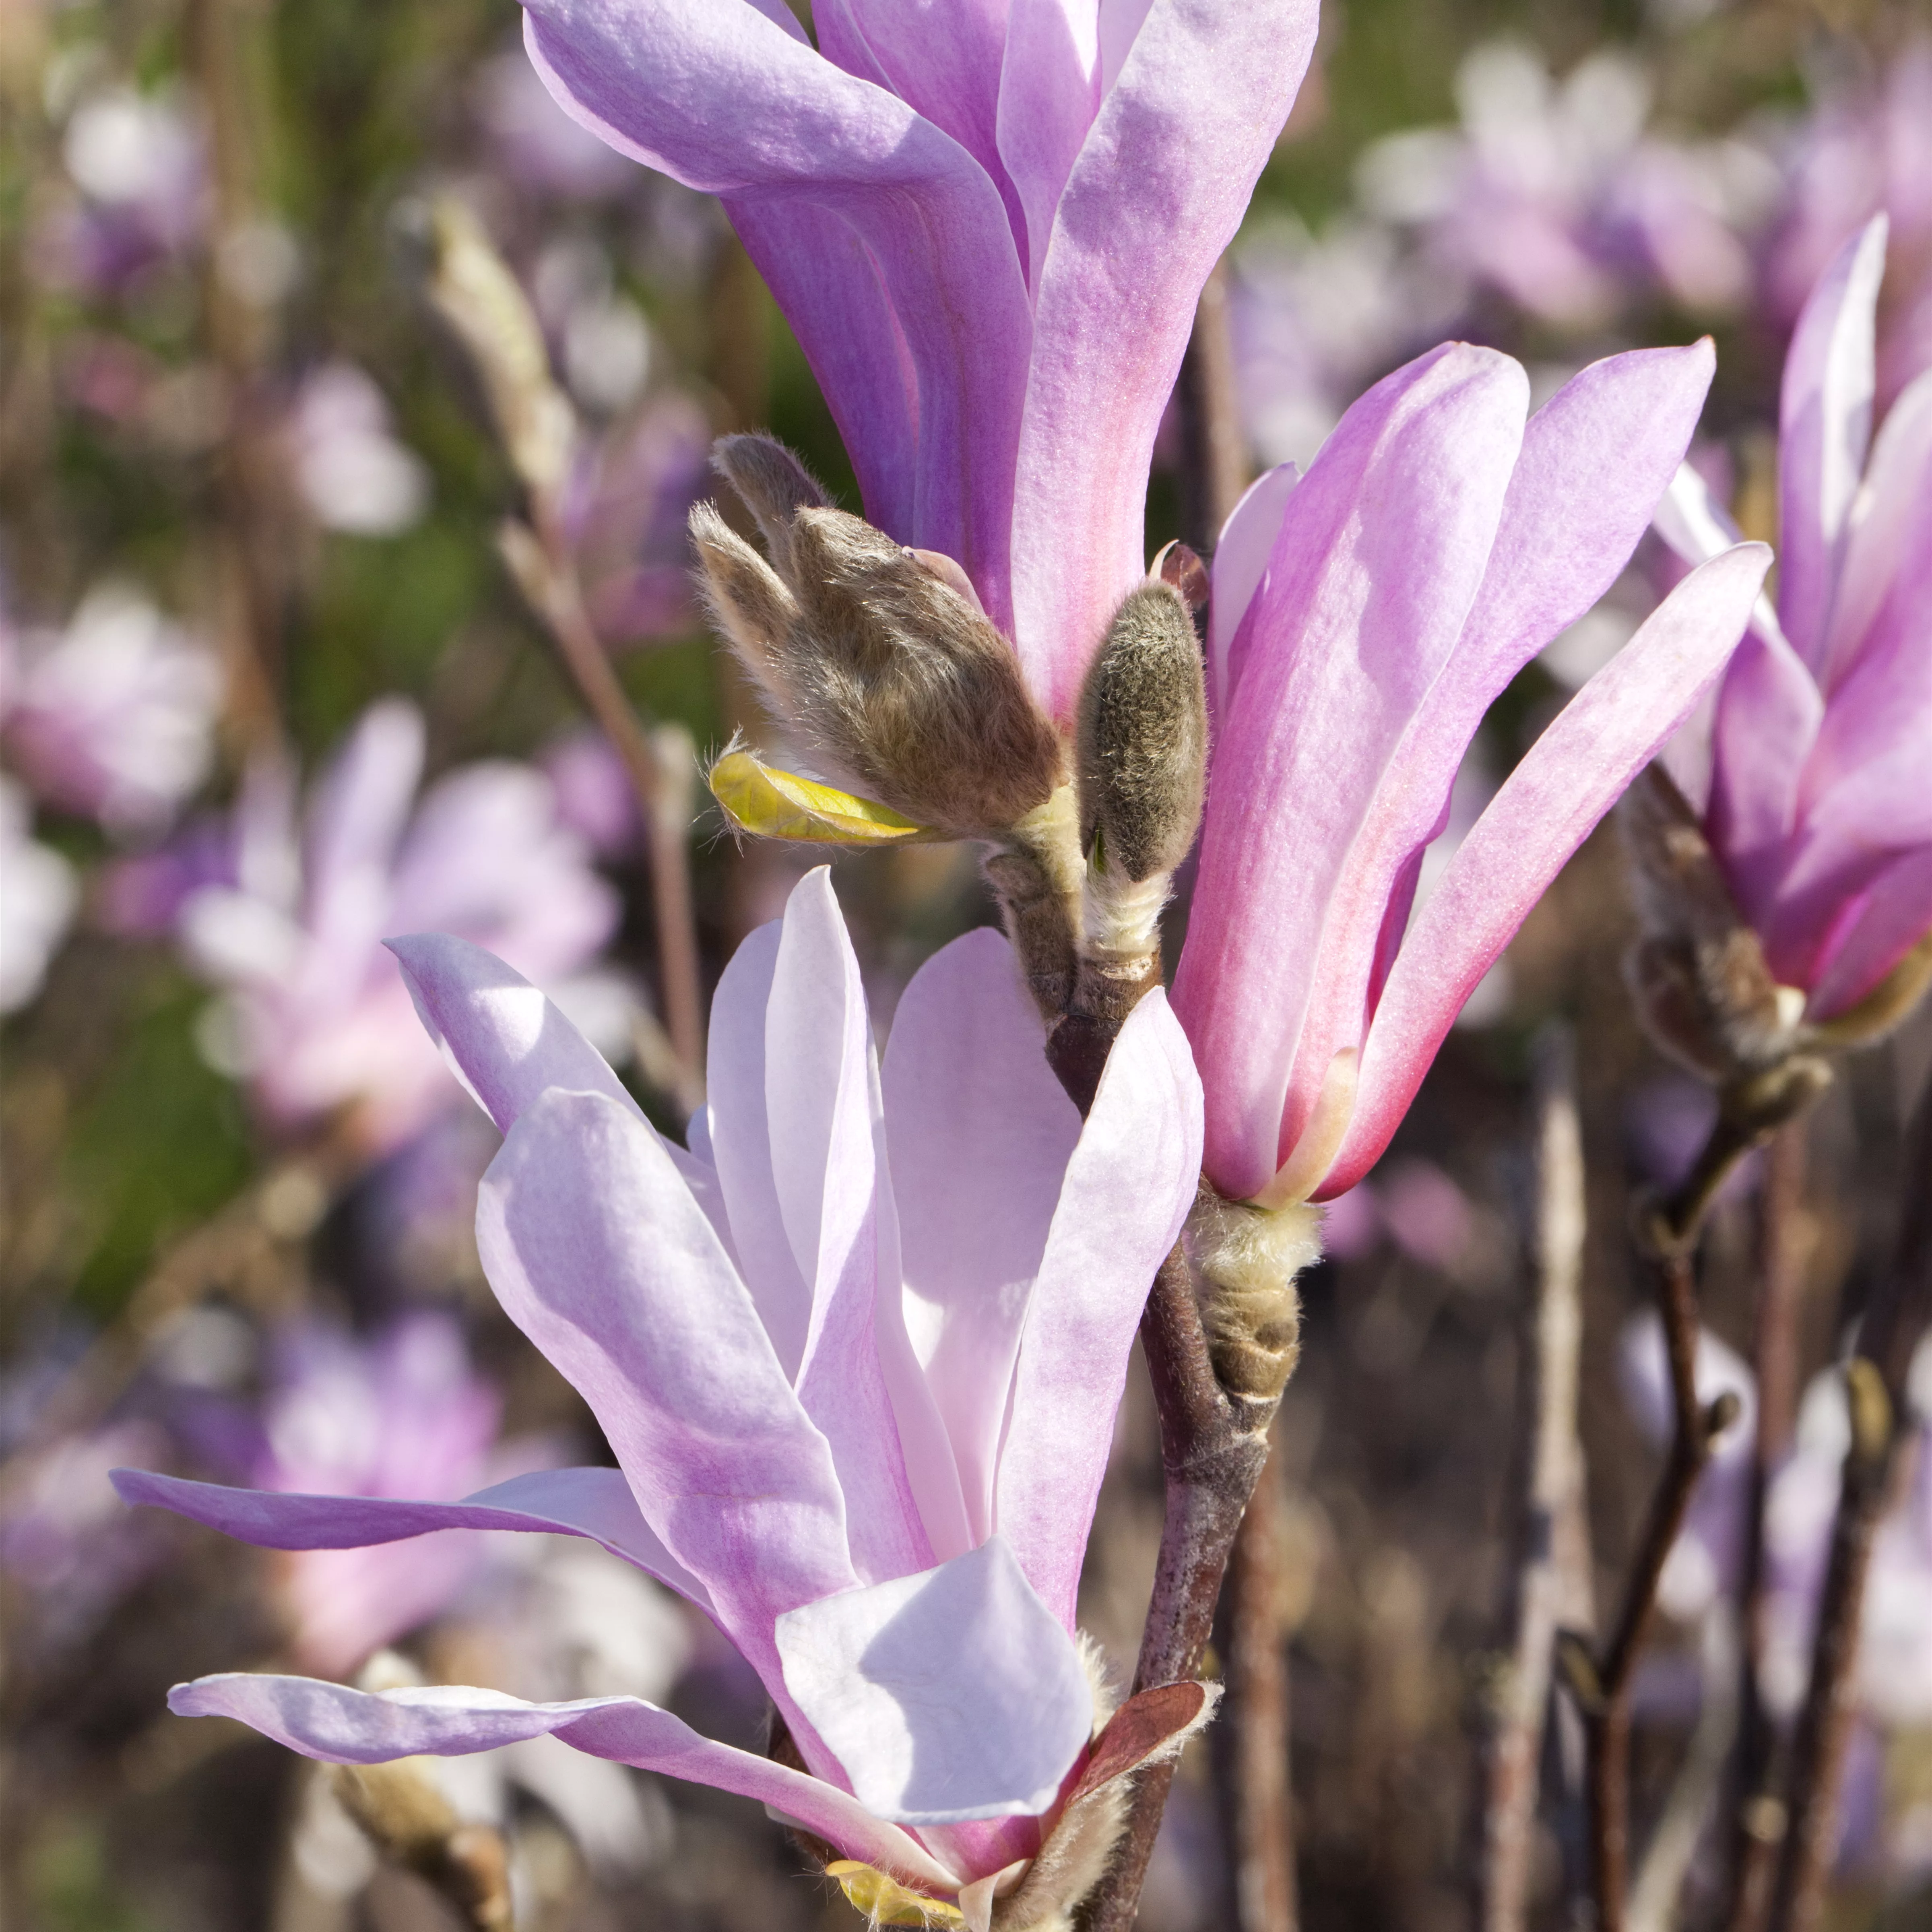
x=886, y=1902
x=759, y=799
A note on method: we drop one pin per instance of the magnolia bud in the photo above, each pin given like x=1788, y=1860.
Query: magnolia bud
x=1248, y=1258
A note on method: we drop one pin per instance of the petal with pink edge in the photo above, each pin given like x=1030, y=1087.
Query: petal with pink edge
x=593, y=1503
x=1566, y=782
x=1895, y=915
x=1128, y=1188
x=1161, y=184
x=339, y=1726
x=949, y=1696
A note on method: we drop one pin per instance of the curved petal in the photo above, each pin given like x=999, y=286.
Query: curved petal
x=339, y=1726
x=1239, y=565
x=979, y=1133
x=947, y=1696
x=1128, y=1188
x=1161, y=184
x=1382, y=547
x=725, y=100
x=1547, y=807
x=1896, y=915
x=599, y=1253
x=593, y=1503
x=1049, y=91
x=1825, y=415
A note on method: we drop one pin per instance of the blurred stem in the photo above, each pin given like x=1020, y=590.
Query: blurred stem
x=1551, y=1463
x=1214, y=461
x=544, y=572
x=1895, y=1321
x=1781, y=1257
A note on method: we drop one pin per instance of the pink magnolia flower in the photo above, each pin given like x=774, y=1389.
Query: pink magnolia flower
x=988, y=226
x=1812, y=789
x=114, y=716
x=315, y=1017
x=1364, y=617
x=858, y=1353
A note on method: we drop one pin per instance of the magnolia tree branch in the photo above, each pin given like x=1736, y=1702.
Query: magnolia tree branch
x=1894, y=1323
x=1552, y=1471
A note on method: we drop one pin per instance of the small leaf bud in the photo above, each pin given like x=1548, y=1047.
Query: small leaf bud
x=1247, y=1258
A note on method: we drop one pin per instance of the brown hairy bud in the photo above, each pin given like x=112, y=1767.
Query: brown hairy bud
x=1247, y=1259
x=874, y=655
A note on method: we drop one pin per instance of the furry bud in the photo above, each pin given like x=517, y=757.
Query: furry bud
x=1247, y=1258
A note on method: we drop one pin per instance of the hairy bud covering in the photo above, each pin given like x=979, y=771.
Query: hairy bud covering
x=1247, y=1258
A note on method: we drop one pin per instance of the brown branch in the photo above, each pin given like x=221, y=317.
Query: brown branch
x=1894, y=1323
x=1552, y=1470
x=1214, y=461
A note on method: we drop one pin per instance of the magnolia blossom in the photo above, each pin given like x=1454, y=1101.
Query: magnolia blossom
x=37, y=896
x=1812, y=788
x=1555, y=195
x=315, y=1017
x=1364, y=617
x=114, y=716
x=989, y=229
x=858, y=1352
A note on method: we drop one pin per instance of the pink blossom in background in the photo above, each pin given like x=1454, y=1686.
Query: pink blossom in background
x=114, y=717
x=595, y=796
x=351, y=472
x=1867, y=150
x=989, y=232
x=1812, y=787
x=1364, y=618
x=858, y=1352
x=38, y=892
x=1554, y=195
x=545, y=148
x=315, y=1017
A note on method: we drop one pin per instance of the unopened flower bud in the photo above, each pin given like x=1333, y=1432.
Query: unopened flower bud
x=1247, y=1258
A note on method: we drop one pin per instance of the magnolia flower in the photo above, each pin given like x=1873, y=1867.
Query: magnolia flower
x=858, y=1352
x=113, y=718
x=988, y=232
x=37, y=894
x=1363, y=619
x=1811, y=790
x=315, y=1016
x=351, y=472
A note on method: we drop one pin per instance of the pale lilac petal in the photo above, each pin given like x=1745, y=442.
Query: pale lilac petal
x=726, y=101
x=1128, y=1188
x=355, y=819
x=1824, y=428
x=819, y=1099
x=1895, y=915
x=1568, y=779
x=1163, y=178
x=599, y=1253
x=1049, y=92
x=949, y=1696
x=340, y=1726
x=592, y=1503
x=979, y=1133
x=1240, y=562
x=1360, y=609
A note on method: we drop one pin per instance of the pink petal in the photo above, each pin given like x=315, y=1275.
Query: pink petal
x=1382, y=547
x=819, y=1106
x=1049, y=92
x=1824, y=427
x=1547, y=807
x=599, y=1253
x=356, y=817
x=592, y=1503
x=980, y=1134
x=1240, y=564
x=1161, y=184
x=946, y=1697
x=1895, y=915
x=726, y=101
x=339, y=1726
x=1128, y=1189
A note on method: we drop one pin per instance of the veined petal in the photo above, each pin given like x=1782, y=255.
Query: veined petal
x=596, y=1503
x=725, y=100
x=1549, y=805
x=980, y=1134
x=1825, y=417
x=599, y=1253
x=949, y=1695
x=1128, y=1188
x=340, y=1726
x=1382, y=547
x=1161, y=184
x=1240, y=563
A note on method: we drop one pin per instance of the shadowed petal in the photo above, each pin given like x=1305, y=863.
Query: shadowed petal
x=1895, y=915
x=949, y=1696
x=1240, y=563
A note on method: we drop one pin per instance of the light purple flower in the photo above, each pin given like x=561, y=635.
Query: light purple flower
x=114, y=716
x=858, y=1352
x=988, y=226
x=1813, y=791
x=37, y=895
x=351, y=470
x=1364, y=618
x=543, y=145
x=317, y=1019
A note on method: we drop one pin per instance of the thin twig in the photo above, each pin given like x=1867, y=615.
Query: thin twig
x=1214, y=462
x=1552, y=1467
x=1894, y=1322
